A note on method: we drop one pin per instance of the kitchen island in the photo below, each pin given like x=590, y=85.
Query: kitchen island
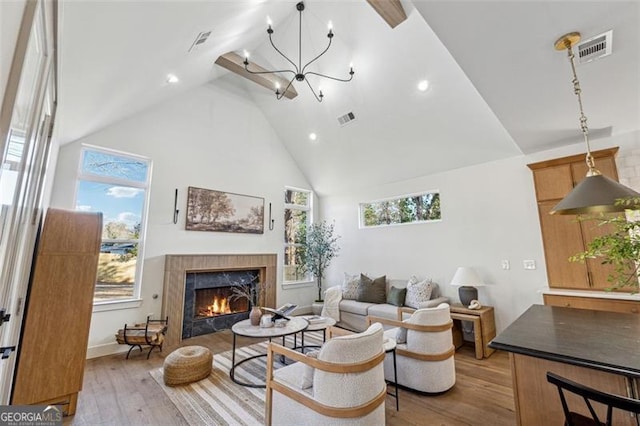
x=596, y=348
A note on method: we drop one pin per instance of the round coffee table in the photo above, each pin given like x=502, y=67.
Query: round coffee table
x=244, y=328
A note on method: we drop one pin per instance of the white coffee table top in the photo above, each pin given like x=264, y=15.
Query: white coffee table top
x=294, y=325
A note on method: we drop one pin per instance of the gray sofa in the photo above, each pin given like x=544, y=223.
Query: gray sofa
x=353, y=314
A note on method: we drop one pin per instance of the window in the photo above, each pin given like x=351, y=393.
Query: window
x=297, y=216
x=115, y=184
x=412, y=208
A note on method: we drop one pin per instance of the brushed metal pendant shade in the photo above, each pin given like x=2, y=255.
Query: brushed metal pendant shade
x=595, y=193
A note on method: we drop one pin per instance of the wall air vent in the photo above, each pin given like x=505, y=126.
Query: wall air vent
x=200, y=39
x=595, y=47
x=346, y=119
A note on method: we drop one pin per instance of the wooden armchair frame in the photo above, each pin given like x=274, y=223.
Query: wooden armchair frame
x=331, y=367
x=417, y=327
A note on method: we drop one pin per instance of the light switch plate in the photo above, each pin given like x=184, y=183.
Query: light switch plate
x=529, y=264
x=505, y=265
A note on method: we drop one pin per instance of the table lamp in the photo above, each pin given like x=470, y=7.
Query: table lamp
x=468, y=280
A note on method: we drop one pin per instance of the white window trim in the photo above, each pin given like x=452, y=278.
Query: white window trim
x=309, y=209
x=135, y=300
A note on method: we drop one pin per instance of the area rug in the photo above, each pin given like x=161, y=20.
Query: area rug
x=217, y=400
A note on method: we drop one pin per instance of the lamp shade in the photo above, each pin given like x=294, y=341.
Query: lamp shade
x=466, y=276
x=594, y=194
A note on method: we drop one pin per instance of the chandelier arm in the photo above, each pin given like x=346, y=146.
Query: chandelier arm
x=280, y=95
x=297, y=70
x=344, y=80
x=267, y=72
x=317, y=57
x=318, y=98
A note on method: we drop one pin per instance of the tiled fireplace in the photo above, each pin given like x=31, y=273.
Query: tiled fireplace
x=209, y=302
x=194, y=286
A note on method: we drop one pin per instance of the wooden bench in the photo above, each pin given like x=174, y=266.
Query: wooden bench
x=149, y=334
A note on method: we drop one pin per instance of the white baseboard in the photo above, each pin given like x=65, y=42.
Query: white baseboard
x=106, y=349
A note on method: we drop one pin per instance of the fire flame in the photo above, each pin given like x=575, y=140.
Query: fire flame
x=219, y=306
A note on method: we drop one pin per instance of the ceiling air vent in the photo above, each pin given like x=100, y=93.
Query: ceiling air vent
x=595, y=47
x=200, y=39
x=346, y=119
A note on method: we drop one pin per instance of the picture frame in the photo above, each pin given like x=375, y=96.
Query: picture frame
x=219, y=211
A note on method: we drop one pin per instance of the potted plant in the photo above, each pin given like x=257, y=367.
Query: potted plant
x=620, y=248
x=320, y=247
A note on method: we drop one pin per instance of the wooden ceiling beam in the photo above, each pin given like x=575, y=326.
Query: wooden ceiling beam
x=390, y=10
x=235, y=63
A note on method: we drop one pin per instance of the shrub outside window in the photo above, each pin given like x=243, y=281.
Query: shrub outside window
x=412, y=208
x=116, y=184
x=297, y=217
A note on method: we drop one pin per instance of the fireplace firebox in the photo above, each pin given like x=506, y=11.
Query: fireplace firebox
x=208, y=302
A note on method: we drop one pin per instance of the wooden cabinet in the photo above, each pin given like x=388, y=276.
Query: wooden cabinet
x=53, y=347
x=564, y=236
x=593, y=303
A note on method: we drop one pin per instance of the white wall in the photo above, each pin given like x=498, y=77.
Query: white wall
x=489, y=214
x=10, y=19
x=208, y=138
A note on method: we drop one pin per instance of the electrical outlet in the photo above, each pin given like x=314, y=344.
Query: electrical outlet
x=506, y=265
x=529, y=264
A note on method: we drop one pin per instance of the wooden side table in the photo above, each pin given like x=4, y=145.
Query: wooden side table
x=484, y=326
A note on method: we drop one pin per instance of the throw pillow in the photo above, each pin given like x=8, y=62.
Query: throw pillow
x=350, y=286
x=372, y=291
x=306, y=380
x=396, y=296
x=417, y=292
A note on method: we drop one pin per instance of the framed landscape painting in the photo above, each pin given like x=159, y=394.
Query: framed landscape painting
x=209, y=210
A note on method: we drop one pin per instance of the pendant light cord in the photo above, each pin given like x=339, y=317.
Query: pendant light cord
x=583, y=118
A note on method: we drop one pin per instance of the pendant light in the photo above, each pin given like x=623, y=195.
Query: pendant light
x=596, y=193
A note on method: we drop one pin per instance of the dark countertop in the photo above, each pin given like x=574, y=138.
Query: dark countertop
x=608, y=341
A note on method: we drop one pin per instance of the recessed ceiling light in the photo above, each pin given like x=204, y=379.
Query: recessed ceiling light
x=172, y=79
x=313, y=136
x=423, y=86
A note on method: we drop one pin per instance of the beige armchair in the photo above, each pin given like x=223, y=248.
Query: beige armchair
x=425, y=362
x=348, y=386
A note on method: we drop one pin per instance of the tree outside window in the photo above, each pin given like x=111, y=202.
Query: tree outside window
x=297, y=217
x=415, y=208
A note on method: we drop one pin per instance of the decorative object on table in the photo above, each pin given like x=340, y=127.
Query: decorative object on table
x=266, y=321
x=596, y=193
x=251, y=292
x=299, y=73
x=468, y=280
x=276, y=314
x=320, y=247
x=209, y=210
x=280, y=322
x=475, y=305
x=187, y=365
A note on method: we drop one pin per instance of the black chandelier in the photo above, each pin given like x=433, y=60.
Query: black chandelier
x=299, y=72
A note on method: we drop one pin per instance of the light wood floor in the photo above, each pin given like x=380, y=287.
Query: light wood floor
x=121, y=392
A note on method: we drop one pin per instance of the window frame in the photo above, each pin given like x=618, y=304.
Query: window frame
x=134, y=301
x=361, y=223
x=307, y=280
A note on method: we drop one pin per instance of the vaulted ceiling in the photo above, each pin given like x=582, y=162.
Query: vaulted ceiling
x=497, y=87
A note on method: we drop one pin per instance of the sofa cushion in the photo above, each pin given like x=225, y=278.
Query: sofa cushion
x=350, y=286
x=417, y=292
x=383, y=310
x=372, y=290
x=355, y=307
x=396, y=296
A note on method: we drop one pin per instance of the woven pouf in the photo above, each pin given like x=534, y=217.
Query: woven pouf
x=187, y=365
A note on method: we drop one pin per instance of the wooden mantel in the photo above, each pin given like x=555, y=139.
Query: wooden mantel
x=176, y=267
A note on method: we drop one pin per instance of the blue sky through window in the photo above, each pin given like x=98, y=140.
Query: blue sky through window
x=117, y=203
